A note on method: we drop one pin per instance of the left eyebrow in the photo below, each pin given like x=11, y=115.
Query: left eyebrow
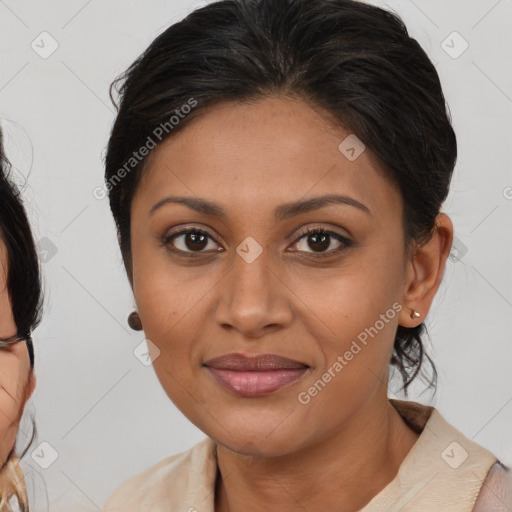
x=282, y=212
x=285, y=211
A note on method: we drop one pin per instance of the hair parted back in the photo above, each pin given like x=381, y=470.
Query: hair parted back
x=351, y=59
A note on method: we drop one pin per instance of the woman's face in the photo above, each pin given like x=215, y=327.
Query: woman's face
x=256, y=284
x=17, y=381
x=7, y=324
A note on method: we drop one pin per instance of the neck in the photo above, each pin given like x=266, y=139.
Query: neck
x=343, y=472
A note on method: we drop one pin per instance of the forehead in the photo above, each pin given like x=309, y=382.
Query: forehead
x=270, y=151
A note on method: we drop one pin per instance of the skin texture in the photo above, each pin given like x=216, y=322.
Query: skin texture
x=17, y=381
x=273, y=451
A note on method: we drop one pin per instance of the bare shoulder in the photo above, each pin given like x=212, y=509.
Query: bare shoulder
x=496, y=492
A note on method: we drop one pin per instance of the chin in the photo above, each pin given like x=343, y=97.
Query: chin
x=266, y=439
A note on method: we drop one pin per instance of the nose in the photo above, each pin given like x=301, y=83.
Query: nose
x=253, y=299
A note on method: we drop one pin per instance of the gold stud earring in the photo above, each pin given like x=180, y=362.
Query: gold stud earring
x=415, y=314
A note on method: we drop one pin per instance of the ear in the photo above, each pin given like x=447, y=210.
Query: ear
x=424, y=272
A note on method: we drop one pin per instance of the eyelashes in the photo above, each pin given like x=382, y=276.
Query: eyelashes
x=321, y=234
x=201, y=239
x=198, y=236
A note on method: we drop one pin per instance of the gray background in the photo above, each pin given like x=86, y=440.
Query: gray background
x=101, y=411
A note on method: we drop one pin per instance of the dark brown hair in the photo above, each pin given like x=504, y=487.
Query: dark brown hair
x=25, y=293
x=354, y=60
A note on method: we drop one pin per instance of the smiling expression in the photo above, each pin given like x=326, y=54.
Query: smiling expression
x=223, y=263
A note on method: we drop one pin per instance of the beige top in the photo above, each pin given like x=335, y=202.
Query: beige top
x=444, y=470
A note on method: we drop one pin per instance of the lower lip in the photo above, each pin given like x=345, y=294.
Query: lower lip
x=256, y=383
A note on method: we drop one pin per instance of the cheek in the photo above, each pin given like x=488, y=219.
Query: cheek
x=170, y=321
x=161, y=295
x=352, y=313
x=171, y=310
x=341, y=302
x=171, y=304
x=356, y=349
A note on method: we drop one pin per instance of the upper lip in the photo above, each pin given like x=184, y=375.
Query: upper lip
x=259, y=362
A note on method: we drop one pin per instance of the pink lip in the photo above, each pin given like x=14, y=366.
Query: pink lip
x=255, y=375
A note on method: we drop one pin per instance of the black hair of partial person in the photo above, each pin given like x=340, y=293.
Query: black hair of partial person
x=23, y=277
x=23, y=272
x=350, y=59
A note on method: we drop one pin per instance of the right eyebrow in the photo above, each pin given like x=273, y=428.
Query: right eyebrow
x=288, y=210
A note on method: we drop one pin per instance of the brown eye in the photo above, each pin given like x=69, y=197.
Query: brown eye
x=320, y=241
x=189, y=241
x=195, y=241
